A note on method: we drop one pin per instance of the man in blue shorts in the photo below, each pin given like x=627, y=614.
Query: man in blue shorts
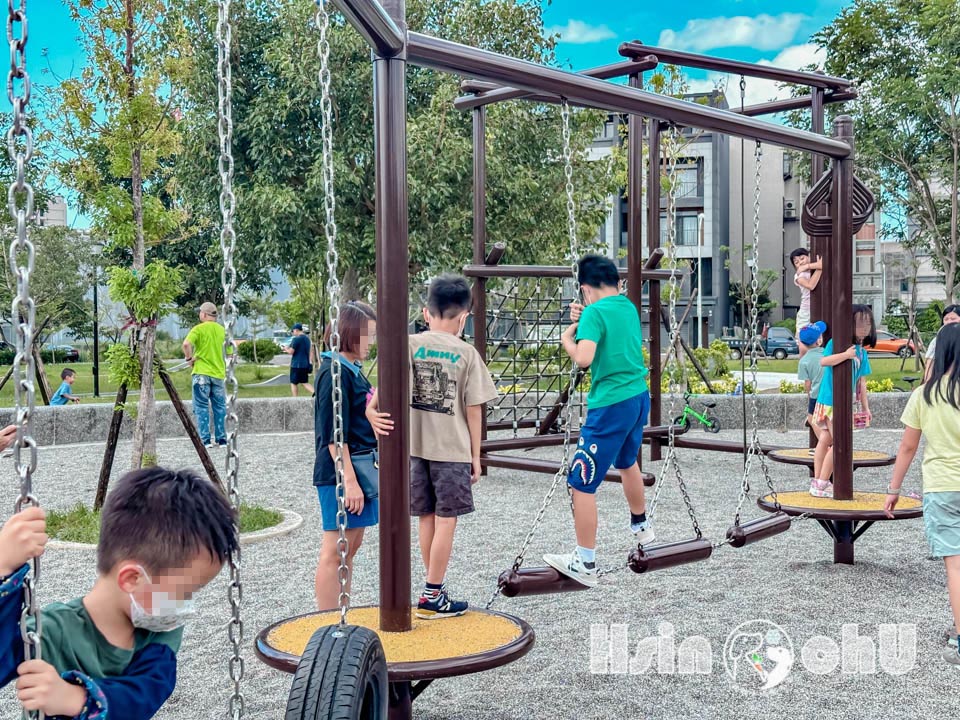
x=606, y=337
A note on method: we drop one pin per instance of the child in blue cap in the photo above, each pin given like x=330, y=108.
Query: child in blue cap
x=810, y=371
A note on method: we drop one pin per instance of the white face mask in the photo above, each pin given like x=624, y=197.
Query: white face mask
x=168, y=612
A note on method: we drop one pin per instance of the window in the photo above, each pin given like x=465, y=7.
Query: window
x=864, y=264
x=904, y=286
x=686, y=178
x=687, y=229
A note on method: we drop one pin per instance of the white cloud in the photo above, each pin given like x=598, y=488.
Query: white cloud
x=758, y=90
x=763, y=32
x=577, y=32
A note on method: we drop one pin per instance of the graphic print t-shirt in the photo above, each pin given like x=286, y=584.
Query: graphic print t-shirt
x=446, y=377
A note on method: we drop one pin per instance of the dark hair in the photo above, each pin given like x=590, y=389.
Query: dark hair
x=946, y=364
x=949, y=309
x=67, y=372
x=799, y=252
x=163, y=519
x=598, y=271
x=871, y=338
x=354, y=318
x=448, y=296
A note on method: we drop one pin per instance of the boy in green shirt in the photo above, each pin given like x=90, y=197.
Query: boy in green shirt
x=113, y=653
x=606, y=337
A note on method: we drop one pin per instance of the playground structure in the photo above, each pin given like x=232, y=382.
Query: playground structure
x=498, y=77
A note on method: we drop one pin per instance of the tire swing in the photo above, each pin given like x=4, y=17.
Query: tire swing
x=342, y=674
x=654, y=557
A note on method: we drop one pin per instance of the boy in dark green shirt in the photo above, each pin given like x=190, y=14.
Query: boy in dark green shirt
x=606, y=337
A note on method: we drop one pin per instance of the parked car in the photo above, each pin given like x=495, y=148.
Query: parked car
x=890, y=343
x=63, y=353
x=283, y=342
x=779, y=342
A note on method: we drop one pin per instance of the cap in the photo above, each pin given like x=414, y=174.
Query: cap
x=209, y=308
x=298, y=326
x=809, y=334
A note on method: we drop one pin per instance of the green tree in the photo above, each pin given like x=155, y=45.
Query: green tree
x=277, y=144
x=261, y=313
x=903, y=54
x=60, y=281
x=119, y=134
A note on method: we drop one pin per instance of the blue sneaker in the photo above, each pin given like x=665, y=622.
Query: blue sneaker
x=439, y=606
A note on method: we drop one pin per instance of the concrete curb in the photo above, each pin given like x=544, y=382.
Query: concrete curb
x=291, y=521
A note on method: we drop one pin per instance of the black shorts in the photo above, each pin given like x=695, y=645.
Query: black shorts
x=811, y=404
x=440, y=488
x=299, y=376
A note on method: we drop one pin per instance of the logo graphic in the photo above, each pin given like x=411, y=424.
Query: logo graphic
x=758, y=655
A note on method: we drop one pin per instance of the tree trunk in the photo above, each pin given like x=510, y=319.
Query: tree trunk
x=951, y=269
x=145, y=427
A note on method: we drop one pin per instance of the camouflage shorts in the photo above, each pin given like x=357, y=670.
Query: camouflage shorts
x=440, y=488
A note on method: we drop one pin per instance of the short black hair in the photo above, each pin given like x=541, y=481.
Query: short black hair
x=163, y=519
x=448, y=296
x=67, y=372
x=799, y=252
x=955, y=309
x=865, y=311
x=598, y=271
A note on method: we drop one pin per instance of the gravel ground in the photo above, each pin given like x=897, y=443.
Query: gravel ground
x=788, y=579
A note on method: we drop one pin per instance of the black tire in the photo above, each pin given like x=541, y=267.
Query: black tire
x=735, y=353
x=905, y=352
x=780, y=354
x=682, y=422
x=342, y=675
x=714, y=426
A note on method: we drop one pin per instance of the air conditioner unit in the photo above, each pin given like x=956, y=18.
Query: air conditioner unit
x=789, y=209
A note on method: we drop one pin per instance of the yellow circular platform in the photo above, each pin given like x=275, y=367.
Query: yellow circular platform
x=857, y=454
x=861, y=501
x=476, y=641
x=803, y=456
x=469, y=634
x=863, y=506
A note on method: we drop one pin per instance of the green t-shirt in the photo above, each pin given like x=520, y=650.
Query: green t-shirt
x=940, y=424
x=207, y=341
x=617, y=372
x=72, y=642
x=811, y=369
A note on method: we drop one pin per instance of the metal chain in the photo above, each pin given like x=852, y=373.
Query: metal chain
x=322, y=19
x=674, y=291
x=564, y=468
x=228, y=277
x=22, y=258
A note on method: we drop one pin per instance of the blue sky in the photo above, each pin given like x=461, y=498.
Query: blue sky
x=773, y=32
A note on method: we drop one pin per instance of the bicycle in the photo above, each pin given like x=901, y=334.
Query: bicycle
x=710, y=424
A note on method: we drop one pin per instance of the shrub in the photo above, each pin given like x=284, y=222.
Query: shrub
x=885, y=385
x=266, y=349
x=788, y=388
x=790, y=324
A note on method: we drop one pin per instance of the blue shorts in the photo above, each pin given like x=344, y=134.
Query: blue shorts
x=941, y=517
x=369, y=516
x=612, y=435
x=811, y=404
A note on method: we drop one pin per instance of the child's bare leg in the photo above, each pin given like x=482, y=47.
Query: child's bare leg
x=817, y=430
x=441, y=548
x=632, y=480
x=427, y=529
x=327, y=578
x=824, y=444
x=952, y=563
x=585, y=518
x=826, y=467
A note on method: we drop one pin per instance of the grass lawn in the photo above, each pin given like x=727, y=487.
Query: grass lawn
x=882, y=367
x=82, y=524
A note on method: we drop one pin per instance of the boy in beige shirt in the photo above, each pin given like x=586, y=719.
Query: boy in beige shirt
x=449, y=384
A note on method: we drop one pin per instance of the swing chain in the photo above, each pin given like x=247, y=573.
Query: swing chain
x=564, y=468
x=322, y=18
x=228, y=277
x=21, y=207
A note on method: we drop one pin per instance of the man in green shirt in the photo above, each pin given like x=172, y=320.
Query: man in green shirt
x=606, y=337
x=203, y=349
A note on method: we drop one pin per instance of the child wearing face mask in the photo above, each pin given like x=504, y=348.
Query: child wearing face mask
x=164, y=535
x=606, y=337
x=449, y=384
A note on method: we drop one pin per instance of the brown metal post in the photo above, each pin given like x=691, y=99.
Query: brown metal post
x=820, y=297
x=635, y=214
x=480, y=237
x=393, y=366
x=653, y=242
x=189, y=427
x=110, y=447
x=841, y=258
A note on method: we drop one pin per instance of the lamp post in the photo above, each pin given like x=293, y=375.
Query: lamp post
x=96, y=249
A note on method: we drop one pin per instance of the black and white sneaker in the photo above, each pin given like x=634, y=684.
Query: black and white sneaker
x=574, y=567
